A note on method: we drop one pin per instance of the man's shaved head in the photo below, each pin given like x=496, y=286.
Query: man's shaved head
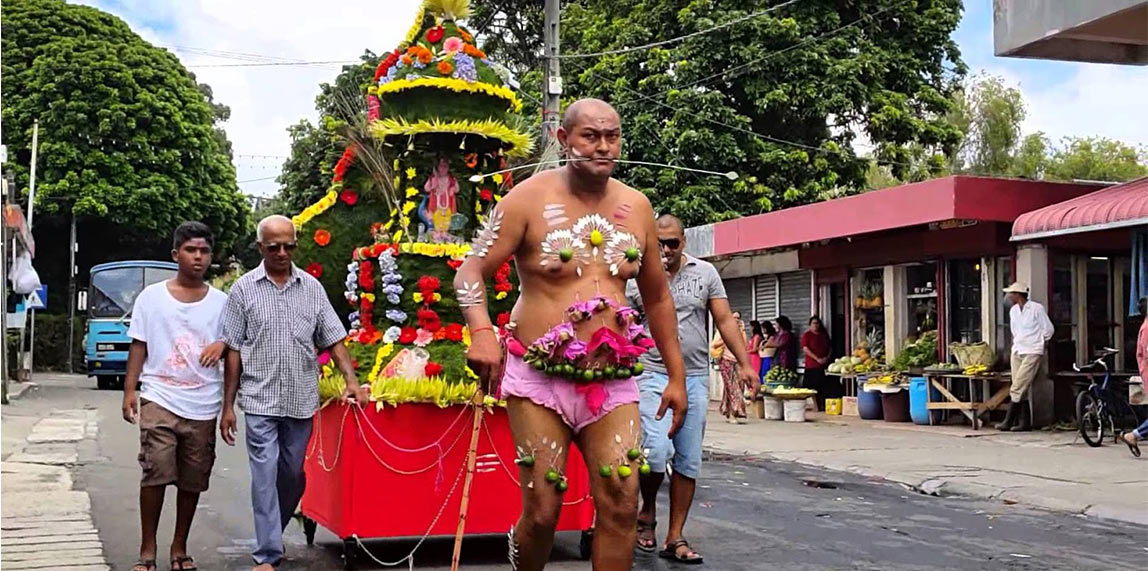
x=588, y=106
x=671, y=222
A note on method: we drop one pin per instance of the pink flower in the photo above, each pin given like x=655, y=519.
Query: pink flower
x=605, y=337
x=575, y=349
x=423, y=337
x=582, y=310
x=564, y=332
x=452, y=44
x=595, y=395
x=324, y=357
x=633, y=331
x=627, y=315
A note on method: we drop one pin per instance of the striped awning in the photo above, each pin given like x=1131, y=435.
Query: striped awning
x=1121, y=206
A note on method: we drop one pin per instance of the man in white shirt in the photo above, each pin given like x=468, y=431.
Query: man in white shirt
x=177, y=342
x=1031, y=329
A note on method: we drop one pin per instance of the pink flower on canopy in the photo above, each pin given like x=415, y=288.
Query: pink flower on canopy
x=575, y=349
x=423, y=337
x=324, y=357
x=452, y=44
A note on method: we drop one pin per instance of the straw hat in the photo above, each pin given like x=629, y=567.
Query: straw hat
x=1017, y=287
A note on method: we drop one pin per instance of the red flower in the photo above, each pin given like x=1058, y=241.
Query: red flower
x=315, y=269
x=429, y=320
x=322, y=237
x=503, y=319
x=355, y=363
x=486, y=194
x=433, y=369
x=408, y=335
x=429, y=283
x=349, y=196
x=454, y=332
x=503, y=287
x=434, y=35
x=344, y=162
x=503, y=271
x=454, y=264
x=366, y=280
x=365, y=306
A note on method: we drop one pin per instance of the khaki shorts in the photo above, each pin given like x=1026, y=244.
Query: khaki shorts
x=175, y=450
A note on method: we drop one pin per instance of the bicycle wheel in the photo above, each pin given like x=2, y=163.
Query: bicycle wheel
x=1089, y=419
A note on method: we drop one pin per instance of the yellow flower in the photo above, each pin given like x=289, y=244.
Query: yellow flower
x=383, y=353
x=515, y=144
x=456, y=85
x=412, y=191
x=396, y=164
x=398, y=180
x=438, y=297
x=411, y=173
x=418, y=297
x=387, y=225
x=497, y=178
x=369, y=297
x=466, y=336
x=497, y=199
x=470, y=373
x=408, y=207
x=398, y=235
x=500, y=295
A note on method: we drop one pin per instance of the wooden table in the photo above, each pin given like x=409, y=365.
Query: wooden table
x=973, y=409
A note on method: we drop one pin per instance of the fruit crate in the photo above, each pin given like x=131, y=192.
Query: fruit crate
x=398, y=473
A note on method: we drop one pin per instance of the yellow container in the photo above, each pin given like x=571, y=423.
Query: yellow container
x=833, y=406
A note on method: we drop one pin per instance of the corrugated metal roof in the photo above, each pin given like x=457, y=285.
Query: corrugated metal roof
x=1113, y=207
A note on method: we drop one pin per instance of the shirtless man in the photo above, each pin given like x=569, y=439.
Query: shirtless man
x=576, y=236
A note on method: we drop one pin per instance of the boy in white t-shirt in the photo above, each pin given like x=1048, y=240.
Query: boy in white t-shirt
x=177, y=343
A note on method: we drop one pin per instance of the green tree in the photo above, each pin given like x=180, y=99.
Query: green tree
x=777, y=98
x=989, y=114
x=1097, y=158
x=126, y=132
x=1031, y=159
x=128, y=140
x=315, y=149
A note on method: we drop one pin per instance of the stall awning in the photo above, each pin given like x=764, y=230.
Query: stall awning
x=1119, y=206
x=950, y=200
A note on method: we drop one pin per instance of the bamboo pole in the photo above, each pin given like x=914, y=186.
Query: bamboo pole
x=471, y=457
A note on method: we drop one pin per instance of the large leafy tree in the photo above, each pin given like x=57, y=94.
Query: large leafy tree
x=777, y=98
x=128, y=140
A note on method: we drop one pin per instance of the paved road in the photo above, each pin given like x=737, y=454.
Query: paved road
x=749, y=515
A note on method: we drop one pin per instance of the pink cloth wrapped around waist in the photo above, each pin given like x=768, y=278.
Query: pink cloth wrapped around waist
x=580, y=404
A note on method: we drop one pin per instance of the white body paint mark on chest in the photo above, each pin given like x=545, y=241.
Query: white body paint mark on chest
x=555, y=214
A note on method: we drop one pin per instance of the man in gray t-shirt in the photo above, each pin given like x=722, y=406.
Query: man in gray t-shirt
x=697, y=290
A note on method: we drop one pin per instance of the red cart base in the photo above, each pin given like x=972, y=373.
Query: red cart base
x=399, y=472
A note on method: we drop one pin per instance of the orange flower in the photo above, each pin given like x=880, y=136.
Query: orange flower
x=440, y=335
x=466, y=36
x=413, y=50
x=473, y=52
x=472, y=160
x=444, y=67
x=407, y=60
x=322, y=237
x=425, y=56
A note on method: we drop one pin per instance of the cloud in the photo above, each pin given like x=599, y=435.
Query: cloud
x=264, y=101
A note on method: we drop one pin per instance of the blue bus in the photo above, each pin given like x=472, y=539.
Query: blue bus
x=111, y=295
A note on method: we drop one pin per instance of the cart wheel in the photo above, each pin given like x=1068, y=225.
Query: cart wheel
x=309, y=527
x=350, y=553
x=585, y=546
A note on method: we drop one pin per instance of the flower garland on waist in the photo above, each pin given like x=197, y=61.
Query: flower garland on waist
x=608, y=354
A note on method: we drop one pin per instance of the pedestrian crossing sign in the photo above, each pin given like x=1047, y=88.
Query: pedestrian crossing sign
x=38, y=299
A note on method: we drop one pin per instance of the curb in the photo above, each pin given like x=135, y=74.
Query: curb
x=17, y=390
x=957, y=488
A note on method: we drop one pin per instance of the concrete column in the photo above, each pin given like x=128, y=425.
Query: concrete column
x=896, y=306
x=1032, y=268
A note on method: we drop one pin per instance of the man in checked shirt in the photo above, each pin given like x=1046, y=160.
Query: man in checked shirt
x=277, y=319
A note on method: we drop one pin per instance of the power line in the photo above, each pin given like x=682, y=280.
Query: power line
x=680, y=38
x=257, y=179
x=274, y=64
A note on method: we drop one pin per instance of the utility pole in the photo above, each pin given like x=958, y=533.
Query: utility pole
x=72, y=247
x=552, y=80
x=32, y=181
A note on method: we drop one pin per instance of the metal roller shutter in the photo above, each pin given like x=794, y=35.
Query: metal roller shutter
x=740, y=293
x=795, y=292
x=765, y=293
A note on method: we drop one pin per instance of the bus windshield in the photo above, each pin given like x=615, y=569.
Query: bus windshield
x=114, y=291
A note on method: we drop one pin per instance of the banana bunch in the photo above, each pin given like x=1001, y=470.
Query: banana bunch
x=976, y=369
x=331, y=384
x=882, y=380
x=396, y=390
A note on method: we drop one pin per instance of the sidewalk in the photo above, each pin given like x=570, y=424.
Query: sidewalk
x=1048, y=470
x=45, y=523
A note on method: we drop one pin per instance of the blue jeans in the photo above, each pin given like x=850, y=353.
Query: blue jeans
x=276, y=447
x=1141, y=431
x=687, y=443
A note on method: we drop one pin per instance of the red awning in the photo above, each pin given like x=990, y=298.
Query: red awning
x=1117, y=206
x=952, y=198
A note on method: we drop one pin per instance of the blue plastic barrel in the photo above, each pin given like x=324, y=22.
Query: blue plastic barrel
x=869, y=405
x=918, y=401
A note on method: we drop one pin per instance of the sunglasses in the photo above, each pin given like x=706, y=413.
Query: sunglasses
x=288, y=247
x=671, y=243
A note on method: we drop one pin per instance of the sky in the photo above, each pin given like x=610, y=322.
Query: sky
x=1064, y=99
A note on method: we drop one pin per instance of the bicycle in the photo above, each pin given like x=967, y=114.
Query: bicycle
x=1099, y=408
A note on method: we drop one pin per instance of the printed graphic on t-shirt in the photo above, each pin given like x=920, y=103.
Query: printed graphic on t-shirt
x=179, y=370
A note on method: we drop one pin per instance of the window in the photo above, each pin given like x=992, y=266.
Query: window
x=965, y=301
x=1004, y=277
x=114, y=291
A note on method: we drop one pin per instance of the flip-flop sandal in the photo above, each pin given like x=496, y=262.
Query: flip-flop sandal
x=653, y=541
x=145, y=564
x=177, y=564
x=1133, y=447
x=671, y=552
